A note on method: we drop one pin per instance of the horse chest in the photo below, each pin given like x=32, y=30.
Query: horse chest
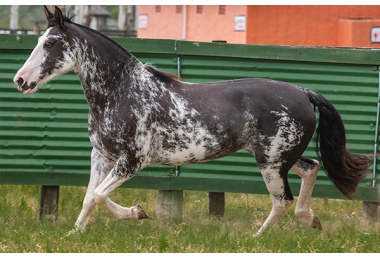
x=109, y=137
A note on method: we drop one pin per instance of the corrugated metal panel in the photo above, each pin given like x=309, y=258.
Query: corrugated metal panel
x=43, y=137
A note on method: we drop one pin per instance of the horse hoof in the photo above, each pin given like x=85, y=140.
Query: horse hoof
x=316, y=223
x=141, y=213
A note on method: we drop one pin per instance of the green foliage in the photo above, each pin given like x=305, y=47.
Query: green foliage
x=113, y=9
x=29, y=14
x=22, y=231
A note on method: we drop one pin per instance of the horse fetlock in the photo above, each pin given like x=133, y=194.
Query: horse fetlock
x=308, y=218
x=304, y=213
x=137, y=213
x=132, y=213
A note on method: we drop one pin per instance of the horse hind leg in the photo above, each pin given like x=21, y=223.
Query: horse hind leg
x=275, y=156
x=307, y=169
x=275, y=178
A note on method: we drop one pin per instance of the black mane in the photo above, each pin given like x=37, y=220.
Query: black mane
x=163, y=76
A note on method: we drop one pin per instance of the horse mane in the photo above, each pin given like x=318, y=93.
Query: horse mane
x=161, y=75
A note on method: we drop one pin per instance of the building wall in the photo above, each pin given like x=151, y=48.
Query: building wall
x=312, y=25
x=346, y=26
x=206, y=26
x=356, y=33
x=210, y=25
x=166, y=24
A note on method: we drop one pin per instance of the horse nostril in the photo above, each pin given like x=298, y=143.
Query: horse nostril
x=20, y=82
x=33, y=85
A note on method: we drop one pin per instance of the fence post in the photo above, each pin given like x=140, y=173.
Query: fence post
x=371, y=210
x=49, y=200
x=169, y=205
x=216, y=204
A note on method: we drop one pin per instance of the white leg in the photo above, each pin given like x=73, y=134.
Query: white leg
x=280, y=194
x=100, y=167
x=278, y=210
x=118, y=175
x=307, y=169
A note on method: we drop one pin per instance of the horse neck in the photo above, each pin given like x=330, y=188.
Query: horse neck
x=103, y=68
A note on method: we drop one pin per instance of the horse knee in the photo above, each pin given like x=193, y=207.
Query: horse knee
x=99, y=197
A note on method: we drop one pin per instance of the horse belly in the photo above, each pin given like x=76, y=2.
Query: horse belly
x=179, y=153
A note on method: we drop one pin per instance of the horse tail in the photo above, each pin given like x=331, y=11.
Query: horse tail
x=344, y=168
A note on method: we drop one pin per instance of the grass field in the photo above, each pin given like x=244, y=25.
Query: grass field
x=344, y=229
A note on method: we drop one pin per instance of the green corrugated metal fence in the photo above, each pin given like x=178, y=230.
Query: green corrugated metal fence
x=44, y=141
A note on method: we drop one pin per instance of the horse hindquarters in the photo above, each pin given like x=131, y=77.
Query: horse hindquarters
x=277, y=150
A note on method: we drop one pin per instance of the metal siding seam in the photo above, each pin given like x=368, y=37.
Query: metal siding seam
x=376, y=135
x=177, y=168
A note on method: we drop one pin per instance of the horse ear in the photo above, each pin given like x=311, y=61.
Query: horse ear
x=48, y=14
x=59, y=17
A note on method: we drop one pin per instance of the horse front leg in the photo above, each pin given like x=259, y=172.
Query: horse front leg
x=100, y=167
x=121, y=172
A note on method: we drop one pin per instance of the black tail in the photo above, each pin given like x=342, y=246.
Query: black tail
x=344, y=168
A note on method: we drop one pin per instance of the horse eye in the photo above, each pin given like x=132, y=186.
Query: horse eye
x=47, y=45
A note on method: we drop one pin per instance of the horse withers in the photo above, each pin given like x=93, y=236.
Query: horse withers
x=140, y=116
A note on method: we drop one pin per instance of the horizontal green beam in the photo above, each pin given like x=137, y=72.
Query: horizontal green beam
x=274, y=52
x=321, y=190
x=254, y=185
x=62, y=179
x=368, y=56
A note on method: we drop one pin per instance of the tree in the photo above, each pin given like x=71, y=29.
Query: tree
x=14, y=19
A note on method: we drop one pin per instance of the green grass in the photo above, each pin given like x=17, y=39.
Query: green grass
x=21, y=230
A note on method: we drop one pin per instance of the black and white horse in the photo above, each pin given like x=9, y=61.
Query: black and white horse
x=140, y=116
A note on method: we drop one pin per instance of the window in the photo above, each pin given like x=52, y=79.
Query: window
x=158, y=8
x=199, y=9
x=179, y=9
x=222, y=9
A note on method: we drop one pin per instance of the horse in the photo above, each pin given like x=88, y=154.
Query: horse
x=139, y=115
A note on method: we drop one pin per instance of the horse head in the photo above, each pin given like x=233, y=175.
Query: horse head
x=51, y=57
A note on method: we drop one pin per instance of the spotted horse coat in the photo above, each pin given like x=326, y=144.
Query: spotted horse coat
x=140, y=116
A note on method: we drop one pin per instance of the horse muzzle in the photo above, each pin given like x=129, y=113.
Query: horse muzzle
x=25, y=87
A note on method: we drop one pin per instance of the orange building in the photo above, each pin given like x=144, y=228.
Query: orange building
x=191, y=22
x=349, y=26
